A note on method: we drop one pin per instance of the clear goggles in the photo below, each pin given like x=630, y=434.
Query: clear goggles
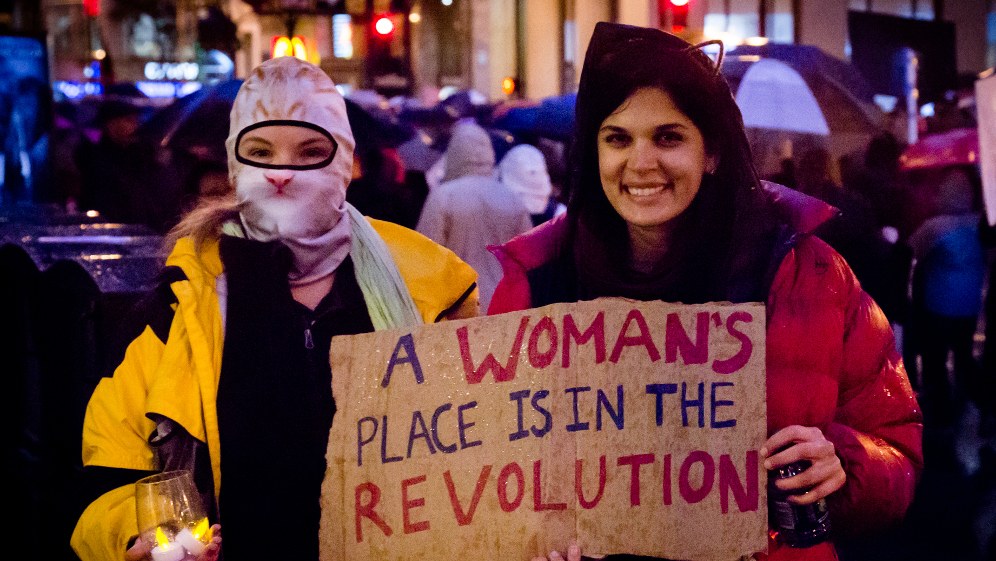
x=285, y=144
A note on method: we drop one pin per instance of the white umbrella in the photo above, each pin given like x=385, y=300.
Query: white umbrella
x=773, y=96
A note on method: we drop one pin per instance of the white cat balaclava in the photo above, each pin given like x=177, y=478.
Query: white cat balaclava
x=309, y=216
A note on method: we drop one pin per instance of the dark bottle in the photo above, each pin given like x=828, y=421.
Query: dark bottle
x=797, y=525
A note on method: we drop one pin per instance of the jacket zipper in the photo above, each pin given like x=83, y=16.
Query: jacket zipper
x=309, y=342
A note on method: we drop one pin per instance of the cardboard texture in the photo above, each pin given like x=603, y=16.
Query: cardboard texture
x=505, y=437
x=985, y=104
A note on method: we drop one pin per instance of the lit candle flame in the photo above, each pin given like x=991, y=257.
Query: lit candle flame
x=161, y=538
x=203, y=529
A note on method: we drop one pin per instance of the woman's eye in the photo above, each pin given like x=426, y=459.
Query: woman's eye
x=318, y=154
x=616, y=139
x=259, y=153
x=669, y=138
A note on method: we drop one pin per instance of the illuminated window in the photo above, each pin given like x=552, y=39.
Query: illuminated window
x=342, y=36
x=735, y=20
x=779, y=24
x=917, y=9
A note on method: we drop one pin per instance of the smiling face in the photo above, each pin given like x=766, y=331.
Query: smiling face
x=651, y=159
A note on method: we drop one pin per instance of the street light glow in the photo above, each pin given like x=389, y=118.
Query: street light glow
x=384, y=25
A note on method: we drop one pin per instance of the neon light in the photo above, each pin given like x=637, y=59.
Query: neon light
x=285, y=46
x=281, y=47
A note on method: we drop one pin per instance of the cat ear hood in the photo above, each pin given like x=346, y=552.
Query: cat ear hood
x=290, y=89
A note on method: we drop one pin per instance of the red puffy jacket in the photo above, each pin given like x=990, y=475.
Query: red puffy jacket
x=832, y=363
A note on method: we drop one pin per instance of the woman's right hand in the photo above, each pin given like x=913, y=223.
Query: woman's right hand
x=139, y=551
x=213, y=548
x=573, y=554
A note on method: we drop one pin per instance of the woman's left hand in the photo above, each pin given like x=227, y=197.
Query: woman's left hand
x=573, y=554
x=793, y=443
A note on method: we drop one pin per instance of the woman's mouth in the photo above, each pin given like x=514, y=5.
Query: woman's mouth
x=645, y=191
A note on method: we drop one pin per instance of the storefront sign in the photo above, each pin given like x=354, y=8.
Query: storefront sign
x=631, y=426
x=177, y=71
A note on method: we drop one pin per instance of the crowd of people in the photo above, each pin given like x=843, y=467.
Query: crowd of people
x=314, y=235
x=917, y=241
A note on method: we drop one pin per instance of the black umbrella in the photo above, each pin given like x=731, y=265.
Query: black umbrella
x=374, y=127
x=196, y=123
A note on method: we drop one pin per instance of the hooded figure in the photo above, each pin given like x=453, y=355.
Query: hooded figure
x=471, y=209
x=232, y=370
x=949, y=274
x=469, y=152
x=665, y=204
x=523, y=170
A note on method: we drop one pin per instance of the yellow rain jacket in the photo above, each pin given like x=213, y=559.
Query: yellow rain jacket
x=178, y=378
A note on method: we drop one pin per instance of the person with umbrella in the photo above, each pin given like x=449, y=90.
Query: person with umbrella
x=380, y=188
x=114, y=171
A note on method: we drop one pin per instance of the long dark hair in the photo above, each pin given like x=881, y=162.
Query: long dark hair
x=620, y=60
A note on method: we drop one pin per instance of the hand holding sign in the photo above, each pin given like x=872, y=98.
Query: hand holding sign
x=573, y=554
x=632, y=426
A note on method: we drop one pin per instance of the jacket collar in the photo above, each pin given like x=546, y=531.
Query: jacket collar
x=801, y=212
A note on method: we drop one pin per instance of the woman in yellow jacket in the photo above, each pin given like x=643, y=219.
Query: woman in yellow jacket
x=231, y=375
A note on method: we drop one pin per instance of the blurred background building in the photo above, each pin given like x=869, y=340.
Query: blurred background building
x=408, y=45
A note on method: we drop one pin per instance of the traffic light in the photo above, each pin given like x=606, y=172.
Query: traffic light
x=674, y=14
x=91, y=8
x=383, y=27
x=679, y=15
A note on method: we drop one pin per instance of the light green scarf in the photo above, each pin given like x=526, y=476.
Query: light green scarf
x=388, y=301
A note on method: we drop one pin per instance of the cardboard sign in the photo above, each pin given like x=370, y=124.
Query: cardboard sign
x=631, y=426
x=985, y=104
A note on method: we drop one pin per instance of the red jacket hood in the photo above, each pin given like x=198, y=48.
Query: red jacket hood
x=535, y=247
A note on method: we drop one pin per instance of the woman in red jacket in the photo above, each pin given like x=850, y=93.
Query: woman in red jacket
x=665, y=204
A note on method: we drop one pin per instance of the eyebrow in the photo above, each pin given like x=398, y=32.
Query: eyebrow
x=657, y=129
x=253, y=138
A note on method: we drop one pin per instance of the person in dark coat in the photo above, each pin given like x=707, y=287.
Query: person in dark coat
x=117, y=171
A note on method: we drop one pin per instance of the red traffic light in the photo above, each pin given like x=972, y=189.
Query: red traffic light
x=91, y=8
x=383, y=26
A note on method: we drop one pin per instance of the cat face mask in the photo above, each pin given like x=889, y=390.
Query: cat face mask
x=290, y=158
x=290, y=151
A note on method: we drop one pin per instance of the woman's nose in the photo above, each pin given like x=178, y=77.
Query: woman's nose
x=279, y=178
x=643, y=156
